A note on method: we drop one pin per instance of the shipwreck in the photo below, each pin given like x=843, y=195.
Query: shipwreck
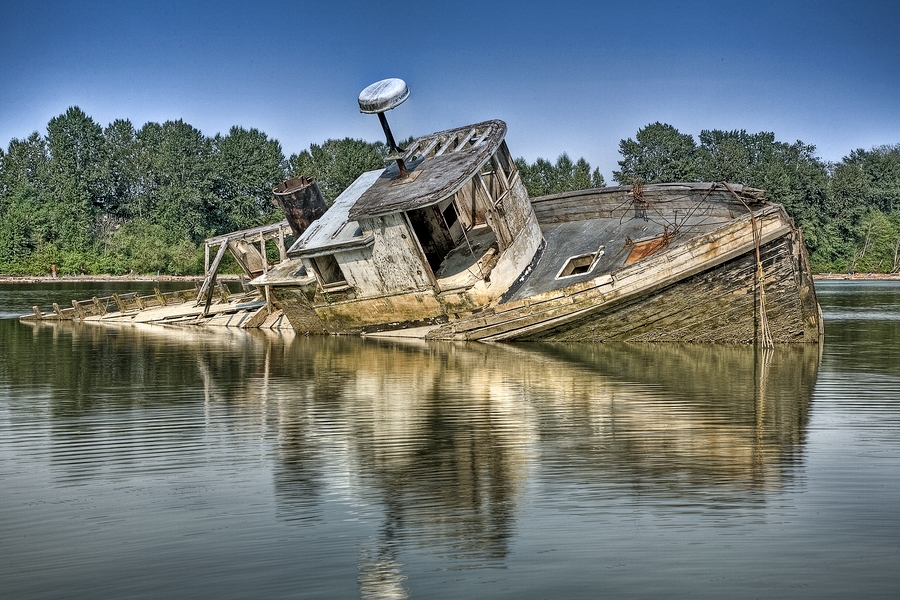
x=446, y=244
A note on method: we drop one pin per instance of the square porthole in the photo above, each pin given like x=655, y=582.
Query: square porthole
x=580, y=265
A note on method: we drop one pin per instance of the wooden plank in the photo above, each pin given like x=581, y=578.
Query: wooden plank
x=445, y=145
x=282, y=252
x=464, y=140
x=211, y=277
x=430, y=147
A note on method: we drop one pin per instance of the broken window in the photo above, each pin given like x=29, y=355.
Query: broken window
x=450, y=216
x=329, y=271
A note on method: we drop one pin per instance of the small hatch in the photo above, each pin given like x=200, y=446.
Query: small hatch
x=581, y=264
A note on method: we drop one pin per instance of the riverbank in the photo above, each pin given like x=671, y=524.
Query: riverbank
x=857, y=276
x=110, y=278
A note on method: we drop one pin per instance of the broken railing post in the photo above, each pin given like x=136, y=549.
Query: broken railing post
x=100, y=308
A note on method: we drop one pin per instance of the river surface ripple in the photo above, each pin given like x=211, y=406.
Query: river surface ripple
x=157, y=462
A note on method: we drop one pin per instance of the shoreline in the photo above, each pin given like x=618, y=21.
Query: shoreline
x=110, y=278
x=857, y=277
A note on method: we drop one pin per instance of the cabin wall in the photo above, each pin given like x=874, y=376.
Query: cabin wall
x=471, y=211
x=522, y=224
x=392, y=265
x=430, y=225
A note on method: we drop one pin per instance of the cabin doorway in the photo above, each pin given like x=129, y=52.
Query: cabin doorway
x=438, y=229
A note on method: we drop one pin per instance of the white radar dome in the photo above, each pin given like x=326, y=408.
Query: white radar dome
x=383, y=95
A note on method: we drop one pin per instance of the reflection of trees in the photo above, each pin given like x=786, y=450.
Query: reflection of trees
x=103, y=382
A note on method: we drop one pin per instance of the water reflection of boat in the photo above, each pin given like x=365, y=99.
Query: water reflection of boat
x=444, y=438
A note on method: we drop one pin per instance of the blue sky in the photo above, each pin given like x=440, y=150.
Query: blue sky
x=570, y=77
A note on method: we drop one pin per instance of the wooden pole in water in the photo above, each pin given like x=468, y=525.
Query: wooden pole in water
x=265, y=268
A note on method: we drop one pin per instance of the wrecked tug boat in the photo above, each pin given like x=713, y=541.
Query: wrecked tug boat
x=445, y=243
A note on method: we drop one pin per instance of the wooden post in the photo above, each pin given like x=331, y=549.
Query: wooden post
x=206, y=258
x=119, y=302
x=282, y=253
x=101, y=310
x=37, y=312
x=210, y=280
x=77, y=307
x=159, y=296
x=262, y=251
x=57, y=310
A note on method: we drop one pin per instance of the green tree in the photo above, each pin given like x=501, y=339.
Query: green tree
x=659, y=153
x=75, y=176
x=791, y=174
x=121, y=169
x=543, y=177
x=878, y=171
x=248, y=166
x=24, y=214
x=178, y=180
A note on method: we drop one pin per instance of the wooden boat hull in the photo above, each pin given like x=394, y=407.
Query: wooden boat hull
x=705, y=290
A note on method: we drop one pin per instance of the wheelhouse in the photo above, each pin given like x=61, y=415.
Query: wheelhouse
x=444, y=227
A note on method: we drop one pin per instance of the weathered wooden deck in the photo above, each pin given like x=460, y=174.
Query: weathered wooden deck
x=246, y=310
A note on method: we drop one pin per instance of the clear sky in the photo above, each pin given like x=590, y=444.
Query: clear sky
x=570, y=77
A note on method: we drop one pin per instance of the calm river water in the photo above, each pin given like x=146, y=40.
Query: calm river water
x=153, y=462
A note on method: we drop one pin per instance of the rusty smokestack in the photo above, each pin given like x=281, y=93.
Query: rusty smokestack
x=301, y=201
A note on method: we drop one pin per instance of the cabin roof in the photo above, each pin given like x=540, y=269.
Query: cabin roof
x=439, y=164
x=335, y=230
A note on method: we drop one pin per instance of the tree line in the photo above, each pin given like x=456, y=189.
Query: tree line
x=849, y=211
x=119, y=200
x=116, y=199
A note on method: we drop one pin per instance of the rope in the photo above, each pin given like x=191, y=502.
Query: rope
x=764, y=330
x=641, y=205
